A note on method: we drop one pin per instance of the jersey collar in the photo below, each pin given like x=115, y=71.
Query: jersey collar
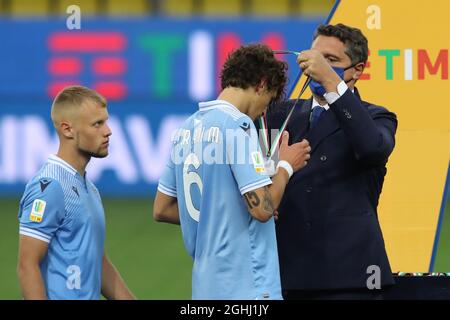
x=60, y=162
x=220, y=104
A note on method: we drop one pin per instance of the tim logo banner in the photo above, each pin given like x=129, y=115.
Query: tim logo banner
x=153, y=73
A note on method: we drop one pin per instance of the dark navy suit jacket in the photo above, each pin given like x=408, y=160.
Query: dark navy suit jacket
x=328, y=231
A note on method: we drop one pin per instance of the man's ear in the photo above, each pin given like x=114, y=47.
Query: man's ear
x=359, y=68
x=66, y=129
x=261, y=86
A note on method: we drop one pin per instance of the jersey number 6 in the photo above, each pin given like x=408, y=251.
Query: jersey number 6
x=189, y=178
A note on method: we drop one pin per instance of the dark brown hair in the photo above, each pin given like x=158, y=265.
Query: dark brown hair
x=355, y=42
x=250, y=64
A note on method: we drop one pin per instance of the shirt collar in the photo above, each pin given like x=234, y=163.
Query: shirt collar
x=216, y=104
x=60, y=162
x=316, y=104
x=326, y=106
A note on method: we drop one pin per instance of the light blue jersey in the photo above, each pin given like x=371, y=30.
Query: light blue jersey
x=215, y=160
x=64, y=209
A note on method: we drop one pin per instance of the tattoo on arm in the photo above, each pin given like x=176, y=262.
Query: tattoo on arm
x=252, y=199
x=267, y=201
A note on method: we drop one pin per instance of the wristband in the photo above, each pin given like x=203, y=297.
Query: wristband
x=284, y=164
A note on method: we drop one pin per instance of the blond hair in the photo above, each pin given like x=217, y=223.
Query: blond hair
x=71, y=98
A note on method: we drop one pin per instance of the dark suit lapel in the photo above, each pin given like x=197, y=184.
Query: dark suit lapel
x=299, y=123
x=298, y=126
x=356, y=92
x=327, y=125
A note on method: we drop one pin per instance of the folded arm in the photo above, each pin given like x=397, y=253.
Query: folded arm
x=372, y=136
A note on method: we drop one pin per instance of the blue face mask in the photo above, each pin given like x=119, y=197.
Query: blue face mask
x=319, y=90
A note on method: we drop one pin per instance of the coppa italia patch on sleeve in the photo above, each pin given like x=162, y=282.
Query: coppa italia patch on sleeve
x=37, y=210
x=258, y=162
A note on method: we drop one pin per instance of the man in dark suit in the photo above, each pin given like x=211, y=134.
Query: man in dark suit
x=329, y=239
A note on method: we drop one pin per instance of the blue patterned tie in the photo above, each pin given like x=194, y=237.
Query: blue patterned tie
x=315, y=115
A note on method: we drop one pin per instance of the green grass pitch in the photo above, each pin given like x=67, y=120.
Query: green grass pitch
x=149, y=255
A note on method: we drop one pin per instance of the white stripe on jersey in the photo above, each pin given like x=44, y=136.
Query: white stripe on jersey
x=23, y=230
x=167, y=191
x=254, y=186
x=35, y=236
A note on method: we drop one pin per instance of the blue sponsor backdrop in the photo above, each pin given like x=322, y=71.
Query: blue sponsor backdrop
x=152, y=72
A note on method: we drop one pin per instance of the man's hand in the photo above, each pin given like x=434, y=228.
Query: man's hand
x=314, y=64
x=296, y=154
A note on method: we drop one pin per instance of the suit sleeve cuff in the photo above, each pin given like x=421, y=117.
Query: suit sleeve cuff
x=331, y=97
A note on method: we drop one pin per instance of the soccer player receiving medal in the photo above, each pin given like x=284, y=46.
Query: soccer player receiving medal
x=62, y=223
x=216, y=187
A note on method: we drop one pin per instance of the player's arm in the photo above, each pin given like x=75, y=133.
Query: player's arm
x=40, y=215
x=165, y=208
x=31, y=253
x=113, y=286
x=262, y=202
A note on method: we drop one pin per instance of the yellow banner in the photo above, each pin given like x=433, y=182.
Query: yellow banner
x=407, y=73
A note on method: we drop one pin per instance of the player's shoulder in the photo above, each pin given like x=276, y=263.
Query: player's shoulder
x=244, y=122
x=224, y=110
x=189, y=121
x=376, y=110
x=232, y=113
x=237, y=119
x=42, y=187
